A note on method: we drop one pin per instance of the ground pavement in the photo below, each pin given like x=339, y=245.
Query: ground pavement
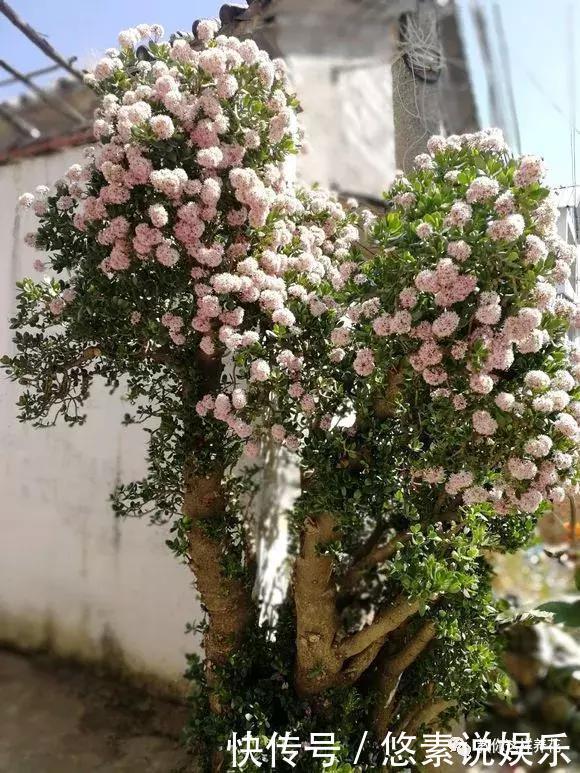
x=55, y=718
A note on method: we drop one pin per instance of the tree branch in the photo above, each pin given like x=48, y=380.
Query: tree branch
x=390, y=669
x=424, y=715
x=358, y=664
x=90, y=353
x=377, y=555
x=385, y=404
x=387, y=620
x=370, y=543
x=93, y=352
x=412, y=649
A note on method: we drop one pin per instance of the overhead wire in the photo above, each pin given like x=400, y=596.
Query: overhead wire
x=39, y=41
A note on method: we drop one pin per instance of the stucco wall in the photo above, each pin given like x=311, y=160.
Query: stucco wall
x=348, y=119
x=72, y=577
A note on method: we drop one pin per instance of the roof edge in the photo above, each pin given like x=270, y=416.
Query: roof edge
x=47, y=145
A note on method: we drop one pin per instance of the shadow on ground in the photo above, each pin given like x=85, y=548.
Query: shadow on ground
x=56, y=718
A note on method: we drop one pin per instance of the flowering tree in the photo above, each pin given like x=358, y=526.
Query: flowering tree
x=415, y=363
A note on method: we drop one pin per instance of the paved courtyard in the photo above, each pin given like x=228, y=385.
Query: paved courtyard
x=58, y=719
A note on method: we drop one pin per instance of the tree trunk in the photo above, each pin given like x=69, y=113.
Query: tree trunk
x=317, y=620
x=227, y=600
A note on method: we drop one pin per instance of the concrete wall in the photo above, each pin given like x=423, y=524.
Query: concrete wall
x=348, y=120
x=344, y=84
x=72, y=577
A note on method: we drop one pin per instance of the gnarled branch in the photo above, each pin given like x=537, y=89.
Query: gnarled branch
x=390, y=670
x=424, y=716
x=377, y=555
x=357, y=665
x=387, y=620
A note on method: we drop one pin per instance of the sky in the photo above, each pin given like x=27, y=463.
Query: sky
x=85, y=28
x=543, y=42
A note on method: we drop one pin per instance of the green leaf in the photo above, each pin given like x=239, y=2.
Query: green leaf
x=565, y=612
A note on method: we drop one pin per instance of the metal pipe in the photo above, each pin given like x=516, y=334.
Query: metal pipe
x=38, y=40
x=52, y=101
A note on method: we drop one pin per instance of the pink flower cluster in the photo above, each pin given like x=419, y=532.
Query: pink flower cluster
x=225, y=408
x=446, y=283
x=481, y=189
x=466, y=330
x=531, y=169
x=508, y=229
x=364, y=362
x=459, y=215
x=242, y=247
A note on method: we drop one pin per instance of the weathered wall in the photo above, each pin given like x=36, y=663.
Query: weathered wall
x=344, y=85
x=348, y=120
x=72, y=577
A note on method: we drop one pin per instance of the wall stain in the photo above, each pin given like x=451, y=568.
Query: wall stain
x=34, y=634
x=116, y=520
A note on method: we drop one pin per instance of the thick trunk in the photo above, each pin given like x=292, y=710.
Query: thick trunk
x=317, y=620
x=325, y=657
x=227, y=600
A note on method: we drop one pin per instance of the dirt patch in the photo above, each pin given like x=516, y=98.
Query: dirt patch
x=59, y=718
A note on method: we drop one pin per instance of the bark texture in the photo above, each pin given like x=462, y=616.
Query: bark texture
x=424, y=715
x=389, y=671
x=326, y=656
x=317, y=620
x=228, y=601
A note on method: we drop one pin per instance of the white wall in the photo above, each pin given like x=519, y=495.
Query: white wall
x=340, y=66
x=348, y=119
x=72, y=577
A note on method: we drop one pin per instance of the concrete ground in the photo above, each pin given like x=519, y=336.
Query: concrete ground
x=55, y=718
